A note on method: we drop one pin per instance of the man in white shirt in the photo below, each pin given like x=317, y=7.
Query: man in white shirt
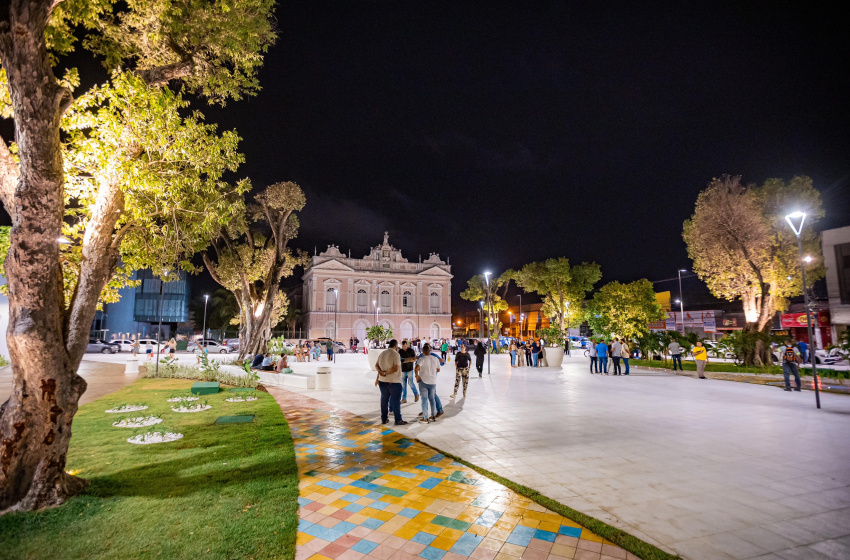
x=426, y=375
x=389, y=381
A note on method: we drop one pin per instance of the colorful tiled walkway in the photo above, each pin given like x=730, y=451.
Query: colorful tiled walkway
x=369, y=493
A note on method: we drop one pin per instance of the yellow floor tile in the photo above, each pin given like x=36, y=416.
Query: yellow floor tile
x=533, y=523
x=588, y=535
x=453, y=534
x=533, y=515
x=357, y=519
x=549, y=526
x=443, y=543
x=432, y=529
x=302, y=538
x=339, y=504
x=478, y=530
x=407, y=532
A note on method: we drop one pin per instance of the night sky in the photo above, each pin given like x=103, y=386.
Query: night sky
x=499, y=133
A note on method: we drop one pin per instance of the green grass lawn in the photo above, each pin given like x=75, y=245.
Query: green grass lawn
x=728, y=367
x=222, y=491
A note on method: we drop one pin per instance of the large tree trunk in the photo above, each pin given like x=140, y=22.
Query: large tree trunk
x=35, y=423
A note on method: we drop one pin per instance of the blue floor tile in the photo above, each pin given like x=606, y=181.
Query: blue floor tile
x=353, y=508
x=431, y=553
x=364, y=546
x=431, y=483
x=423, y=538
x=569, y=531
x=409, y=512
x=547, y=536
x=344, y=527
x=372, y=523
x=428, y=468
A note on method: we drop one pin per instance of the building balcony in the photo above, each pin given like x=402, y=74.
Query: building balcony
x=330, y=307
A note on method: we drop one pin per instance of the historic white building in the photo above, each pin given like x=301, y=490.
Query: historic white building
x=413, y=299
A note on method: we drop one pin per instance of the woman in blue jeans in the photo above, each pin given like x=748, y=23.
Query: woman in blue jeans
x=426, y=375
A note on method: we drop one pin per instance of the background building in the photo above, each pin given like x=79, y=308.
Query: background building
x=836, y=257
x=413, y=299
x=137, y=312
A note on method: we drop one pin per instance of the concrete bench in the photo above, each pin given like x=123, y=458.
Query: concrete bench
x=302, y=380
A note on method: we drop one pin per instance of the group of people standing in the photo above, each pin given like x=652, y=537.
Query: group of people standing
x=399, y=367
x=600, y=352
x=532, y=353
x=306, y=351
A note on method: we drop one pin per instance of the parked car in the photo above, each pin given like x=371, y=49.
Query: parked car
x=96, y=345
x=837, y=357
x=211, y=345
x=122, y=344
x=339, y=347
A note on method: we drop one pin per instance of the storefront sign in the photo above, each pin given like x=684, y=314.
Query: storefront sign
x=790, y=320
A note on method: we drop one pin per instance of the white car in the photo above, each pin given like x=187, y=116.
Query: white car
x=123, y=344
x=837, y=357
x=211, y=346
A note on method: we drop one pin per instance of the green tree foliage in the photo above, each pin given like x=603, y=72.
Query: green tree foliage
x=250, y=256
x=742, y=247
x=562, y=287
x=623, y=309
x=125, y=172
x=476, y=290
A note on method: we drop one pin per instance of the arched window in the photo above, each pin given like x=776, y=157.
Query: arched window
x=407, y=302
x=407, y=330
x=435, y=331
x=362, y=301
x=435, y=303
x=330, y=330
x=331, y=297
x=386, y=306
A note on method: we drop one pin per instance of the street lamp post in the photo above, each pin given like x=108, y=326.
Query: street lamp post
x=681, y=300
x=798, y=230
x=521, y=316
x=336, y=309
x=568, y=341
x=204, y=329
x=489, y=321
x=159, y=331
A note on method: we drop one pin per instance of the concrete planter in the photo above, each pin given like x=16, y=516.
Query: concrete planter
x=555, y=356
x=373, y=357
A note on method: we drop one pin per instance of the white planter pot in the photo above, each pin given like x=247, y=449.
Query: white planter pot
x=373, y=357
x=555, y=356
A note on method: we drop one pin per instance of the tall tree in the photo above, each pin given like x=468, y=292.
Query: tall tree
x=623, y=309
x=213, y=49
x=562, y=287
x=742, y=248
x=476, y=290
x=251, y=255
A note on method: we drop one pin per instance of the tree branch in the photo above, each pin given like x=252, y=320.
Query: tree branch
x=160, y=75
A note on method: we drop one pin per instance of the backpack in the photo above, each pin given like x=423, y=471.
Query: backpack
x=789, y=355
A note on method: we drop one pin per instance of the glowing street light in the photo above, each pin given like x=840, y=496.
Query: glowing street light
x=204, y=328
x=796, y=221
x=489, y=321
x=680, y=302
x=336, y=308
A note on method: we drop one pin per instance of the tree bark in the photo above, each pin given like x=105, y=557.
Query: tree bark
x=35, y=423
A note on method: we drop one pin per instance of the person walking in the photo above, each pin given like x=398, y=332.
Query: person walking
x=330, y=349
x=542, y=361
x=625, y=353
x=389, y=382
x=675, y=350
x=444, y=350
x=790, y=357
x=512, y=350
x=804, y=351
x=135, y=347
x=594, y=360
x=427, y=368
x=462, y=362
x=602, y=354
x=535, y=353
x=408, y=357
x=615, y=355
x=700, y=359
x=480, y=352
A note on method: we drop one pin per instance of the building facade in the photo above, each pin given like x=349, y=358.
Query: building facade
x=344, y=296
x=836, y=258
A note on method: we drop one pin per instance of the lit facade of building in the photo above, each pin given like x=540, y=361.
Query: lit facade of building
x=412, y=299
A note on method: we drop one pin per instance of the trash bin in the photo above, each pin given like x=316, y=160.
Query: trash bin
x=132, y=366
x=323, y=378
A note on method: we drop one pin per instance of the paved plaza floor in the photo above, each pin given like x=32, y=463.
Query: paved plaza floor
x=705, y=469
x=370, y=493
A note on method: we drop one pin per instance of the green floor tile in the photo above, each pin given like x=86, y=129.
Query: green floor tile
x=206, y=388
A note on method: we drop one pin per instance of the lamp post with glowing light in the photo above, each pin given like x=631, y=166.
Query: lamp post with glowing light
x=336, y=308
x=521, y=316
x=680, y=301
x=489, y=321
x=204, y=328
x=795, y=220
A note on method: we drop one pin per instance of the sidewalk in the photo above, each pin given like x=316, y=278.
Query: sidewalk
x=368, y=492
